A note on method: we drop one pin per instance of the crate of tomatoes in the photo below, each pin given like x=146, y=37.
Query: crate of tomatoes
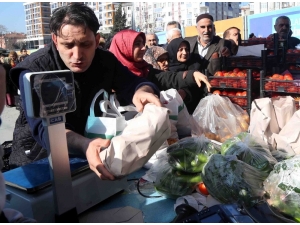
x=282, y=83
x=237, y=97
x=293, y=56
x=235, y=78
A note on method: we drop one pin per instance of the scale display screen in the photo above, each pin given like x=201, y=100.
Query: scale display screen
x=49, y=93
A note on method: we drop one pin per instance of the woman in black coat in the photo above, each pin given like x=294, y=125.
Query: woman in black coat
x=179, y=56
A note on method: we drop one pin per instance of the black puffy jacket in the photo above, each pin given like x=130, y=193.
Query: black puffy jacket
x=105, y=72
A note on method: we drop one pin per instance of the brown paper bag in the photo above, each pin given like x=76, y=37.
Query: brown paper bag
x=263, y=122
x=285, y=108
x=289, y=137
x=141, y=138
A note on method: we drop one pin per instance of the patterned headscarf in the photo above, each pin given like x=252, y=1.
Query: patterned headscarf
x=152, y=55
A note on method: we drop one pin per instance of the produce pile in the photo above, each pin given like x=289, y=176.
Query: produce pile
x=283, y=187
x=181, y=172
x=241, y=171
x=219, y=119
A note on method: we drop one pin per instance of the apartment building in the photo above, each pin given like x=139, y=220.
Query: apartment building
x=153, y=16
x=37, y=18
x=140, y=16
x=261, y=7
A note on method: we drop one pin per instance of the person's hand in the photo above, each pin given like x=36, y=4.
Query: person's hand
x=92, y=154
x=225, y=51
x=144, y=95
x=201, y=77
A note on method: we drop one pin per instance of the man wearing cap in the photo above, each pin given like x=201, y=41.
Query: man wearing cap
x=207, y=48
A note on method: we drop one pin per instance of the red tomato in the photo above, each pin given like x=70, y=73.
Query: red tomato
x=244, y=93
x=268, y=86
x=203, y=189
x=243, y=84
x=277, y=77
x=231, y=93
x=224, y=93
x=236, y=70
x=219, y=74
x=288, y=77
x=239, y=93
x=217, y=92
x=241, y=74
x=290, y=51
x=235, y=84
x=214, y=82
x=292, y=89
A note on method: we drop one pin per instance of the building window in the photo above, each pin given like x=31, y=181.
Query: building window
x=263, y=5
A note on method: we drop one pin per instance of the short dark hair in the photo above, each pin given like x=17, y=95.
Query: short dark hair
x=226, y=32
x=22, y=49
x=282, y=17
x=204, y=15
x=174, y=23
x=74, y=14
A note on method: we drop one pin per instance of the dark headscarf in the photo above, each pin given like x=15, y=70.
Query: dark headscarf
x=172, y=48
x=152, y=55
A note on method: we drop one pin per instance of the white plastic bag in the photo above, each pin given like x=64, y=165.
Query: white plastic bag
x=140, y=139
x=107, y=126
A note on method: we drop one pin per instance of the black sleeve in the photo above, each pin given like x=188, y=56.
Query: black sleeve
x=125, y=83
x=165, y=80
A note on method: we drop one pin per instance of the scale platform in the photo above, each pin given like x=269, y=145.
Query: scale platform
x=29, y=190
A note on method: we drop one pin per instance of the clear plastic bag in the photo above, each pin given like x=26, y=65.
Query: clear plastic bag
x=173, y=183
x=252, y=151
x=283, y=187
x=219, y=119
x=230, y=180
x=190, y=154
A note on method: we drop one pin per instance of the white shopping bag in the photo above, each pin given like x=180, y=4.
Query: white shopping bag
x=140, y=139
x=179, y=116
x=111, y=124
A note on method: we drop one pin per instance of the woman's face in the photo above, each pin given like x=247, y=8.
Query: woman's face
x=139, y=49
x=12, y=57
x=163, y=62
x=183, y=53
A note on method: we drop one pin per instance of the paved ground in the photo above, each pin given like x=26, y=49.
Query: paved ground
x=8, y=117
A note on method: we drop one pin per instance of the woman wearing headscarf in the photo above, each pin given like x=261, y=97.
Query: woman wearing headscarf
x=129, y=48
x=179, y=60
x=158, y=57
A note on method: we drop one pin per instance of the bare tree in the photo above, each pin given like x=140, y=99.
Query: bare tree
x=3, y=30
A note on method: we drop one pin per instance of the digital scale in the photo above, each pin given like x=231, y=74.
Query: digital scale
x=59, y=188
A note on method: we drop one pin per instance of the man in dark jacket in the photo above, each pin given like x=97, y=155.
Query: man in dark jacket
x=75, y=47
x=207, y=48
x=283, y=29
x=206, y=51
